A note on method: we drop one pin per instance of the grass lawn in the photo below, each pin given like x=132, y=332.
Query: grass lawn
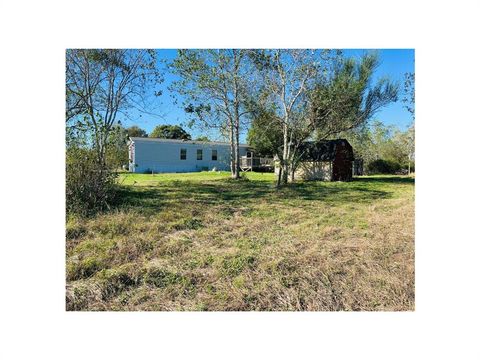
x=201, y=241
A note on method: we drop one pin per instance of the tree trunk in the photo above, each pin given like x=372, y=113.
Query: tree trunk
x=232, y=152
x=284, y=174
x=409, y=157
x=237, y=155
x=236, y=124
x=279, y=177
x=284, y=163
x=237, y=143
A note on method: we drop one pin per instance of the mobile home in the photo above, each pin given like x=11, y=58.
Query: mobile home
x=171, y=156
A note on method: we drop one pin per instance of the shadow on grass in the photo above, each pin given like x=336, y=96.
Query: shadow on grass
x=150, y=199
x=385, y=180
x=337, y=193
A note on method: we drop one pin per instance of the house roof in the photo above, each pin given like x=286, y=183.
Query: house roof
x=325, y=150
x=182, y=141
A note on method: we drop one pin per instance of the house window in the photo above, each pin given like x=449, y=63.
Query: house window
x=183, y=154
x=214, y=155
x=199, y=154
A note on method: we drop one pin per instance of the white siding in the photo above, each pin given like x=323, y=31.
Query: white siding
x=313, y=170
x=164, y=156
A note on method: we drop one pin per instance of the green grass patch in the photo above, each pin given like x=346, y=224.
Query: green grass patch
x=201, y=241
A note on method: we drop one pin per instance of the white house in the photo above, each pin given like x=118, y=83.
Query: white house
x=170, y=156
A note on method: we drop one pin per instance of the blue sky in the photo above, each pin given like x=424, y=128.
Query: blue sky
x=394, y=63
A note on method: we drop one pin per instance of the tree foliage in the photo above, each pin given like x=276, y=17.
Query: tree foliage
x=378, y=141
x=382, y=166
x=286, y=76
x=313, y=94
x=265, y=133
x=136, y=131
x=170, y=132
x=409, y=94
x=102, y=86
x=409, y=104
x=349, y=99
x=117, y=151
x=216, y=87
x=88, y=188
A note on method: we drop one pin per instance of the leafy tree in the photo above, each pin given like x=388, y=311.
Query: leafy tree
x=202, y=138
x=409, y=104
x=409, y=94
x=135, y=131
x=382, y=166
x=265, y=134
x=349, y=99
x=287, y=76
x=117, y=151
x=361, y=139
x=170, y=132
x=318, y=93
x=376, y=142
x=410, y=145
x=216, y=86
x=102, y=84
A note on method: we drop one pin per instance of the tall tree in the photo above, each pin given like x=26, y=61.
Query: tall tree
x=318, y=93
x=265, y=133
x=379, y=142
x=409, y=104
x=350, y=98
x=215, y=85
x=170, y=132
x=409, y=94
x=288, y=77
x=102, y=84
x=135, y=131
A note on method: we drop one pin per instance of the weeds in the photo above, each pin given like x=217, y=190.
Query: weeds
x=203, y=242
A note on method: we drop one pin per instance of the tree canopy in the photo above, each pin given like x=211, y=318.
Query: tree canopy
x=103, y=84
x=309, y=94
x=378, y=141
x=216, y=87
x=135, y=131
x=170, y=132
x=265, y=134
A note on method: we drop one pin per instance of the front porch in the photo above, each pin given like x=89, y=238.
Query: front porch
x=253, y=163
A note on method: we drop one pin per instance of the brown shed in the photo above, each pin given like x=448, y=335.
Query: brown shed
x=327, y=160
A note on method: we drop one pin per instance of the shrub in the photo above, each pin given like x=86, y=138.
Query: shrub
x=381, y=166
x=89, y=187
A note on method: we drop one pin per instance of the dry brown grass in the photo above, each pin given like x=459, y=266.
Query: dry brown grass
x=207, y=243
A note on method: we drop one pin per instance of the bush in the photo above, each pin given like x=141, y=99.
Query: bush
x=381, y=166
x=89, y=188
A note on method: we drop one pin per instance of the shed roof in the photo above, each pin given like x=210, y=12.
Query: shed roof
x=325, y=150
